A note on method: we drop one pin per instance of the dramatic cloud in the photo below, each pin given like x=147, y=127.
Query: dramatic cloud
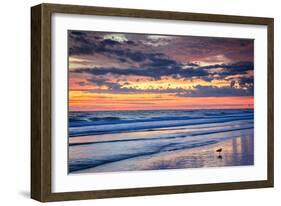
x=235, y=68
x=213, y=91
x=173, y=67
x=155, y=73
x=160, y=67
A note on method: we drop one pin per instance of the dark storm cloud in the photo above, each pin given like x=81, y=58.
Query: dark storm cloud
x=153, y=72
x=109, y=42
x=130, y=42
x=77, y=33
x=112, y=87
x=160, y=62
x=136, y=56
x=81, y=44
x=192, y=65
x=213, y=91
x=239, y=68
x=236, y=41
x=160, y=67
x=235, y=68
x=246, y=81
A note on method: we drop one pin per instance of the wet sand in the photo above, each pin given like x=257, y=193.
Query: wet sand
x=237, y=151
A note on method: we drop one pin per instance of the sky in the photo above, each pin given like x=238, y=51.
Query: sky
x=124, y=71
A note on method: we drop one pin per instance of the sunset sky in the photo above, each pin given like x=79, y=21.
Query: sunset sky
x=121, y=71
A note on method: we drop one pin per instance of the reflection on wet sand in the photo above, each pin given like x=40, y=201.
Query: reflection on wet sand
x=235, y=152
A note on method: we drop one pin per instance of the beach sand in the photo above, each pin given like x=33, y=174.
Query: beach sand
x=236, y=151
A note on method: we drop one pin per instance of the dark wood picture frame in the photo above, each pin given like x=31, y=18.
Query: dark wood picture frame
x=41, y=117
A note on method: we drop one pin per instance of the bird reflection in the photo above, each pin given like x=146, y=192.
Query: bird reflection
x=219, y=151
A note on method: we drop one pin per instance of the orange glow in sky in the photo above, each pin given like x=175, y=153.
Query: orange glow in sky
x=80, y=101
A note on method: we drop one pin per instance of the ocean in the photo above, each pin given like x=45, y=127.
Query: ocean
x=114, y=141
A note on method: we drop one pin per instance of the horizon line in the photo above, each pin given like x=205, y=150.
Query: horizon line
x=159, y=109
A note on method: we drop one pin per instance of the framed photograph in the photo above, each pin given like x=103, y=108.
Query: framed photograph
x=130, y=102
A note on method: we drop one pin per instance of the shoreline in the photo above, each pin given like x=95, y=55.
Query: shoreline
x=235, y=152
